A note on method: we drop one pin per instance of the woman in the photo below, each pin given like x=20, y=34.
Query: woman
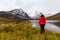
x=42, y=22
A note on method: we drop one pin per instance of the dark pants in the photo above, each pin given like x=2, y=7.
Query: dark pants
x=42, y=28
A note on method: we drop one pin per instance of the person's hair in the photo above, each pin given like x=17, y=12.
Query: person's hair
x=42, y=16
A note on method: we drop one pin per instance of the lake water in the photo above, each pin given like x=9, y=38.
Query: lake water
x=49, y=25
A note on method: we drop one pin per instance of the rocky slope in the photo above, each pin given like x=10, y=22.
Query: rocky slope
x=16, y=14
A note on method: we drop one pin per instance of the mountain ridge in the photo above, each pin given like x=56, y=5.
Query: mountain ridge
x=54, y=17
x=16, y=14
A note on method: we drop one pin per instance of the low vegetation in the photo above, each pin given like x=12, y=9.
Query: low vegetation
x=24, y=31
x=7, y=20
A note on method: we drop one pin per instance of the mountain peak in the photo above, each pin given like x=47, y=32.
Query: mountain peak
x=17, y=11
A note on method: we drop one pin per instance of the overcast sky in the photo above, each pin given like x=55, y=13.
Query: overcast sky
x=30, y=6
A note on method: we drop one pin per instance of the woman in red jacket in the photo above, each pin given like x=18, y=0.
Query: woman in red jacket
x=42, y=22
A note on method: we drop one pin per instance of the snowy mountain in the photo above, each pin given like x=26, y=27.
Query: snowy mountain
x=17, y=14
x=20, y=13
x=36, y=15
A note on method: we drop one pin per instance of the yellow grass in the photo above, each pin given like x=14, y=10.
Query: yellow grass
x=7, y=20
x=24, y=31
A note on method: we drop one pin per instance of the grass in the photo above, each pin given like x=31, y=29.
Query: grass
x=24, y=31
x=7, y=20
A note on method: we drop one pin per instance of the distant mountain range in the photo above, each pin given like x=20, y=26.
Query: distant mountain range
x=19, y=15
x=16, y=14
x=54, y=17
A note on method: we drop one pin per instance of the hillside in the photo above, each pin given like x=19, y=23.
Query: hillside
x=16, y=14
x=6, y=20
x=54, y=17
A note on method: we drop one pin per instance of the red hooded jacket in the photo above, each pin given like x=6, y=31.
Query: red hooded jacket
x=42, y=20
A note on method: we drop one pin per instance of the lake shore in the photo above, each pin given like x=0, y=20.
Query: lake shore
x=49, y=25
